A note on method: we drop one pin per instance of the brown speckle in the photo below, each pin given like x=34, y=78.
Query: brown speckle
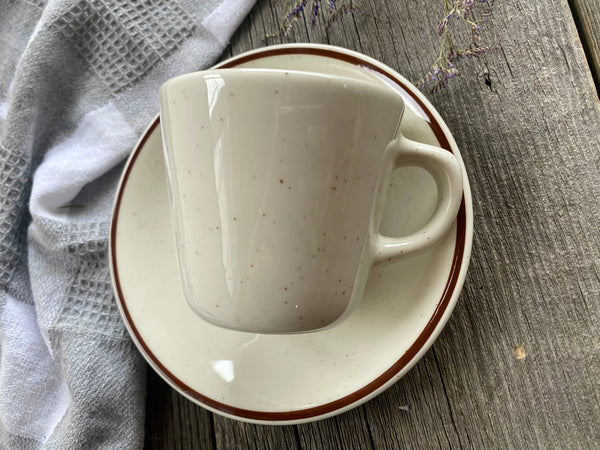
x=281, y=181
x=216, y=227
x=221, y=119
x=264, y=215
x=276, y=92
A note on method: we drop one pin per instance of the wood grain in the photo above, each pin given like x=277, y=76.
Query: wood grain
x=174, y=422
x=586, y=14
x=518, y=365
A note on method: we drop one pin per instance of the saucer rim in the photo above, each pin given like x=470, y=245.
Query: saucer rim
x=429, y=333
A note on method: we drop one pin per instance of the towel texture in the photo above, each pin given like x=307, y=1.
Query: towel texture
x=78, y=84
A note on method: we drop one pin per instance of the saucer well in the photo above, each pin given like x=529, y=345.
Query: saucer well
x=276, y=379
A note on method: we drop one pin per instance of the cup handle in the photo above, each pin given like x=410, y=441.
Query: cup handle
x=447, y=174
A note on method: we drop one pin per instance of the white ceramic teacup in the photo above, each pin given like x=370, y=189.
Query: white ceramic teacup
x=277, y=181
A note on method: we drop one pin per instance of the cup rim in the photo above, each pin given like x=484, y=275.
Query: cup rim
x=268, y=74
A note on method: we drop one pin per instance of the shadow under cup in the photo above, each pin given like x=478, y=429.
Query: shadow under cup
x=273, y=177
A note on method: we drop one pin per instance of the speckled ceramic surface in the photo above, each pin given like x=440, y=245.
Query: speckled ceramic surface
x=294, y=378
x=274, y=177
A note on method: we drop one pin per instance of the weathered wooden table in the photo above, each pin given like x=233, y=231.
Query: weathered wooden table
x=518, y=365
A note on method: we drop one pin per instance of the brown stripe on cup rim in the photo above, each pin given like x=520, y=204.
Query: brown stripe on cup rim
x=364, y=392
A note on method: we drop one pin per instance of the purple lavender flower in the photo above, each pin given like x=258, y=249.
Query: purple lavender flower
x=342, y=11
x=314, y=12
x=297, y=9
x=332, y=13
x=470, y=13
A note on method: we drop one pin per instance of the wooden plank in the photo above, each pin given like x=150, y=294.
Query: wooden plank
x=586, y=14
x=518, y=365
x=347, y=431
x=233, y=434
x=429, y=420
x=174, y=422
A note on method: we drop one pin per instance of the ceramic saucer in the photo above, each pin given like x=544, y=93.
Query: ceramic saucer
x=295, y=378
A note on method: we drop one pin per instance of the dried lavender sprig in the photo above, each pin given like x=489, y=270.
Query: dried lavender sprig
x=314, y=12
x=343, y=10
x=443, y=70
x=295, y=11
x=469, y=53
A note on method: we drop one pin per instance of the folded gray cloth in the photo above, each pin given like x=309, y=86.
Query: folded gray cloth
x=78, y=84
